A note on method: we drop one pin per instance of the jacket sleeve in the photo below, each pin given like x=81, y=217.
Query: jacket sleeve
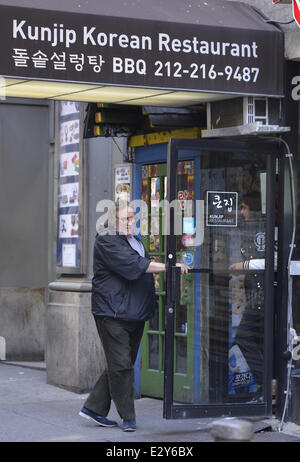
x=120, y=258
x=255, y=263
x=259, y=263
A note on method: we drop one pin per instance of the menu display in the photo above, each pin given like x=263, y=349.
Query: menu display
x=69, y=164
x=123, y=182
x=69, y=177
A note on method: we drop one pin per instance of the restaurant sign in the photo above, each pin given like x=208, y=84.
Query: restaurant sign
x=103, y=50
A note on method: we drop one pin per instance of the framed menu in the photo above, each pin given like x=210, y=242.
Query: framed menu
x=123, y=182
x=69, y=188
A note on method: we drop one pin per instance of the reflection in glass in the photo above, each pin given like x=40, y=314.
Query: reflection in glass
x=153, y=351
x=163, y=313
x=152, y=192
x=181, y=319
x=181, y=355
x=153, y=322
x=225, y=346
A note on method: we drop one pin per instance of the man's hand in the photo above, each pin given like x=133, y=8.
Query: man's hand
x=237, y=266
x=156, y=267
x=184, y=268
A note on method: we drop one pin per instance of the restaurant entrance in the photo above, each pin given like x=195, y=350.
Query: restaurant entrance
x=211, y=341
x=228, y=239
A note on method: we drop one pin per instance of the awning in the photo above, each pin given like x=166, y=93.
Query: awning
x=138, y=52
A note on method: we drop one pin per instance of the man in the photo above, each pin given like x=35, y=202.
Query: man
x=123, y=298
x=249, y=336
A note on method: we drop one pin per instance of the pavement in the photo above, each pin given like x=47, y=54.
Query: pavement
x=33, y=411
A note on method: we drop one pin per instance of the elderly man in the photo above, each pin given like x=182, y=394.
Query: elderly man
x=123, y=298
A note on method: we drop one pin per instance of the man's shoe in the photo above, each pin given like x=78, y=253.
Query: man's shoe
x=128, y=426
x=98, y=419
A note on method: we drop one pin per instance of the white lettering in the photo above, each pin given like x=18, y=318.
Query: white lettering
x=70, y=37
x=44, y=31
x=163, y=42
x=123, y=41
x=217, y=48
x=224, y=47
x=123, y=452
x=235, y=49
x=296, y=352
x=54, y=39
x=187, y=47
x=90, y=36
x=196, y=45
x=129, y=66
x=296, y=90
x=204, y=48
x=87, y=36
x=135, y=42
x=102, y=39
x=141, y=67
x=17, y=29
x=146, y=43
x=117, y=65
x=33, y=33
x=246, y=50
x=54, y=35
x=176, y=45
x=254, y=50
x=111, y=39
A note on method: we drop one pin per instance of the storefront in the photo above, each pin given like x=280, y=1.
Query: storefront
x=186, y=56
x=200, y=313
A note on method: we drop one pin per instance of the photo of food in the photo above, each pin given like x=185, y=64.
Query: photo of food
x=69, y=132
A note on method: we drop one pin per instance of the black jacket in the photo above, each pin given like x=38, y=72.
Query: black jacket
x=254, y=247
x=253, y=240
x=121, y=288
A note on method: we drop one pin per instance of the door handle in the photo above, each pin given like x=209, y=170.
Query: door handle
x=175, y=283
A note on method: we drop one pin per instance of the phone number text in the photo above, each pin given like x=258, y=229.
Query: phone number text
x=193, y=71
x=203, y=71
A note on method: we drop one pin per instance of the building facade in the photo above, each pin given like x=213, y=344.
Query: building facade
x=65, y=187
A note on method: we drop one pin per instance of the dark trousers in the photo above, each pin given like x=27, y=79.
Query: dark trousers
x=120, y=342
x=249, y=338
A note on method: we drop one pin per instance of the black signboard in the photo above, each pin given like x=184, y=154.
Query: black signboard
x=103, y=50
x=221, y=208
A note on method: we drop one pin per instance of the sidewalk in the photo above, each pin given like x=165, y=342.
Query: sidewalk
x=33, y=411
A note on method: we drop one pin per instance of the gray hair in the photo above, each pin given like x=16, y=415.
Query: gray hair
x=114, y=210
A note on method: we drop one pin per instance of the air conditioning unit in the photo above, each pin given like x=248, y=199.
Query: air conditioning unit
x=244, y=116
x=244, y=110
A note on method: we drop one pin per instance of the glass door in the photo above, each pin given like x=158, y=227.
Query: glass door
x=225, y=233
x=153, y=191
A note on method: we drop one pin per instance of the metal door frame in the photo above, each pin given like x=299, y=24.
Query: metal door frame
x=170, y=410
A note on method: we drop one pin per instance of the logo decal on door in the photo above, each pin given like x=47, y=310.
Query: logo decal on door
x=260, y=242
